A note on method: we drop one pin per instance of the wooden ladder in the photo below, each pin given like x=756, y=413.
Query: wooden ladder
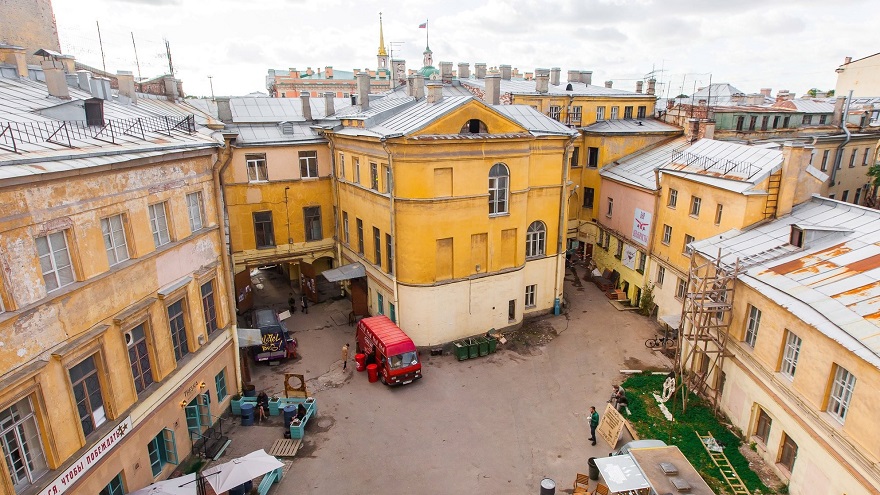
x=720, y=460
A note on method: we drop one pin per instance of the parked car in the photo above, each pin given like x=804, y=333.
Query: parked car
x=277, y=342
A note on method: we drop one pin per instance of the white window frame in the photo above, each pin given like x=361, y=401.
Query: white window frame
x=615, y=112
x=610, y=207
x=600, y=113
x=308, y=164
x=55, y=260
x=841, y=393
x=536, y=239
x=688, y=239
x=196, y=209
x=753, y=324
x=531, y=291
x=159, y=223
x=667, y=234
x=672, y=198
x=575, y=117
x=696, y=204
x=555, y=112
x=257, y=170
x=113, y=231
x=341, y=171
x=499, y=189
x=24, y=430
x=681, y=289
x=357, y=170
x=661, y=274
x=790, y=354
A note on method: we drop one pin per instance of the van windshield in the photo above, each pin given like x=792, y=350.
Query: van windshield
x=403, y=360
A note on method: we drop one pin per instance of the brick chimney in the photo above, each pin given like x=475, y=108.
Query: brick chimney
x=766, y=91
x=837, y=116
x=587, y=77
x=398, y=70
x=125, y=81
x=652, y=85
x=15, y=55
x=329, y=107
x=306, y=106
x=363, y=90
x=435, y=91
x=541, y=81
x=847, y=60
x=554, y=76
x=608, y=84
x=309, y=71
x=446, y=72
x=418, y=86
x=492, y=95
x=56, y=82
x=529, y=76
x=639, y=85
x=505, y=72
x=515, y=74
x=328, y=72
x=170, y=88
x=784, y=95
x=68, y=63
x=574, y=76
x=480, y=70
x=224, y=111
x=464, y=70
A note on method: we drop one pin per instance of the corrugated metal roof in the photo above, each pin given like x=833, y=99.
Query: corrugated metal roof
x=275, y=133
x=523, y=87
x=417, y=115
x=832, y=283
x=626, y=126
x=812, y=106
x=638, y=168
x=732, y=166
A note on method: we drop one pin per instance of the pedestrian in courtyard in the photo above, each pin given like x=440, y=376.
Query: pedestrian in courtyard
x=618, y=397
x=262, y=406
x=291, y=301
x=594, y=422
x=344, y=356
x=305, y=303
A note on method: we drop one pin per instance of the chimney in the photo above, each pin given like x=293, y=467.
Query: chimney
x=847, y=60
x=652, y=85
x=294, y=73
x=587, y=77
x=306, y=105
x=125, y=80
x=15, y=55
x=505, y=72
x=837, y=116
x=708, y=128
x=541, y=81
x=608, y=84
x=529, y=76
x=574, y=76
x=766, y=91
x=68, y=62
x=329, y=107
x=492, y=95
x=363, y=90
x=435, y=91
x=398, y=71
x=554, y=76
x=328, y=72
x=309, y=71
x=170, y=87
x=796, y=185
x=84, y=77
x=56, y=82
x=757, y=99
x=639, y=85
x=446, y=72
x=670, y=103
x=464, y=70
x=418, y=86
x=224, y=111
x=480, y=70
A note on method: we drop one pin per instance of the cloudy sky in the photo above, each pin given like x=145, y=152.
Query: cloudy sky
x=781, y=44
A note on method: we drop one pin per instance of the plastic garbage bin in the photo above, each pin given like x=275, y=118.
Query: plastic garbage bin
x=548, y=487
x=373, y=372
x=247, y=414
x=594, y=469
x=360, y=360
x=461, y=350
x=483, y=344
x=473, y=348
x=493, y=344
x=289, y=413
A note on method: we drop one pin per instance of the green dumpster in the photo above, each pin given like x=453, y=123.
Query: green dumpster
x=493, y=344
x=473, y=348
x=461, y=350
x=483, y=345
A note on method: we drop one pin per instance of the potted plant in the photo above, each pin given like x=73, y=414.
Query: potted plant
x=236, y=404
x=274, y=406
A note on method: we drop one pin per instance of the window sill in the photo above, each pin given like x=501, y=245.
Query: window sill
x=617, y=256
x=671, y=207
x=267, y=247
x=504, y=214
x=531, y=306
x=265, y=181
x=694, y=216
x=640, y=271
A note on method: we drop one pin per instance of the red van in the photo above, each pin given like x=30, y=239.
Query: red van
x=393, y=351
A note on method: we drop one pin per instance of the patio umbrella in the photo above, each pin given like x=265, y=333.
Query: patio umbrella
x=237, y=471
x=184, y=485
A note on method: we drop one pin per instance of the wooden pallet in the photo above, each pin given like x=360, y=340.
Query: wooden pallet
x=285, y=447
x=730, y=475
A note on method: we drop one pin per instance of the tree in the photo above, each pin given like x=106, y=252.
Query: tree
x=646, y=303
x=812, y=92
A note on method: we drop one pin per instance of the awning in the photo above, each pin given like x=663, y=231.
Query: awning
x=345, y=272
x=249, y=336
x=621, y=473
x=674, y=321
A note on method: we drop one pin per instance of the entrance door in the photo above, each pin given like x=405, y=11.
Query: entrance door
x=359, y=302
x=198, y=414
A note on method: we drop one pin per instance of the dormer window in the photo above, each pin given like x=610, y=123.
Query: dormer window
x=797, y=237
x=474, y=126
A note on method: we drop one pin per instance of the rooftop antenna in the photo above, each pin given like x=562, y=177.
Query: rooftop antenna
x=211, y=82
x=391, y=45
x=168, y=54
x=101, y=43
x=136, y=61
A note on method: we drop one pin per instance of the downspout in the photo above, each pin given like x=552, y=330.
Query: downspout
x=220, y=199
x=838, y=157
x=392, y=218
x=562, y=230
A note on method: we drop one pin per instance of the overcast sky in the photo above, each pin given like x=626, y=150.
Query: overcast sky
x=752, y=44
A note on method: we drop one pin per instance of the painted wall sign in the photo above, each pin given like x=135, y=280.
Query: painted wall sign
x=79, y=468
x=641, y=227
x=629, y=256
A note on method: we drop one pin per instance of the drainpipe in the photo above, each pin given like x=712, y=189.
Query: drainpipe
x=393, y=219
x=562, y=230
x=838, y=157
x=223, y=161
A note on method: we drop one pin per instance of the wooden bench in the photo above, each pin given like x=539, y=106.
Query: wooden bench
x=268, y=480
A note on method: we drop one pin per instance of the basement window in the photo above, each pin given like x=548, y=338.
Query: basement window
x=797, y=237
x=474, y=126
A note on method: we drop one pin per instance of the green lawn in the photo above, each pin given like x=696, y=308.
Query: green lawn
x=649, y=422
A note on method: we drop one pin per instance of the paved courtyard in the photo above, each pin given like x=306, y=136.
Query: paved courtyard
x=495, y=424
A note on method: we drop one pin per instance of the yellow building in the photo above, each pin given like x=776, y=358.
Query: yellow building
x=860, y=76
x=711, y=187
x=455, y=208
x=116, y=344
x=802, y=371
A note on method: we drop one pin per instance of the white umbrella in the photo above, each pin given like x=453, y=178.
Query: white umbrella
x=184, y=485
x=237, y=471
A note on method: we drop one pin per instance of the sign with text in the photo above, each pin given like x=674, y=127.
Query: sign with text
x=641, y=227
x=79, y=468
x=611, y=425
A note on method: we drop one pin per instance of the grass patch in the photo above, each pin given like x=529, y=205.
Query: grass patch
x=649, y=422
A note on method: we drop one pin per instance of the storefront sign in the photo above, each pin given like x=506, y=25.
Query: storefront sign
x=641, y=227
x=79, y=468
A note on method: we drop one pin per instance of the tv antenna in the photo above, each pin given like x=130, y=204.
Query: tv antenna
x=392, y=45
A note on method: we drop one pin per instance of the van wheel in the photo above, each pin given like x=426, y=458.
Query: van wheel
x=382, y=379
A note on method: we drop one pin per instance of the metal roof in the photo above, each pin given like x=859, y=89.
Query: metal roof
x=523, y=87
x=808, y=105
x=728, y=165
x=281, y=133
x=255, y=109
x=533, y=120
x=627, y=126
x=637, y=169
x=831, y=284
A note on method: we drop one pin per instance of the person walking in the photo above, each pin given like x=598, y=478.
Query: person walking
x=344, y=356
x=291, y=302
x=594, y=422
x=305, y=303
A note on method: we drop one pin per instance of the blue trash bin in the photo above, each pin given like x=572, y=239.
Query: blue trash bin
x=289, y=413
x=247, y=414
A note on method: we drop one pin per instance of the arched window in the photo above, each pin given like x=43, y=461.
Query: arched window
x=536, y=239
x=474, y=126
x=499, y=178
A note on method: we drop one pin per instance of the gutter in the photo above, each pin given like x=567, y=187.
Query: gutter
x=838, y=157
x=393, y=227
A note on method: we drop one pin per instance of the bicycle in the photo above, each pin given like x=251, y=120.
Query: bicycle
x=660, y=342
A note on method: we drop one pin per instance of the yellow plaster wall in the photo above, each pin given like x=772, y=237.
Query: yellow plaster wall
x=588, y=105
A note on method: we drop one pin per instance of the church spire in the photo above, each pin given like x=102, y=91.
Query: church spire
x=382, y=52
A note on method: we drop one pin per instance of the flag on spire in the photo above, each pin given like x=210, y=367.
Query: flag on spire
x=423, y=25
